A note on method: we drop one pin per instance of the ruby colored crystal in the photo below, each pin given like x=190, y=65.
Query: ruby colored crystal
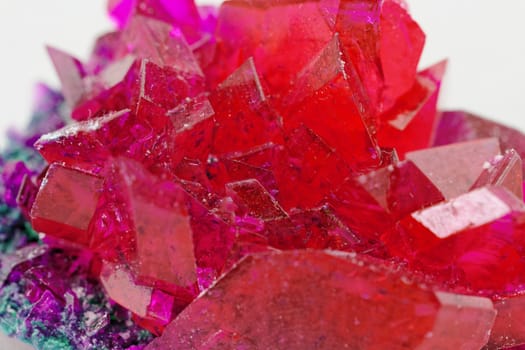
x=454, y=168
x=243, y=118
x=370, y=203
x=474, y=240
x=400, y=46
x=81, y=144
x=65, y=203
x=317, y=228
x=307, y=163
x=253, y=200
x=346, y=126
x=261, y=303
x=409, y=124
x=241, y=34
x=504, y=170
x=508, y=327
x=193, y=121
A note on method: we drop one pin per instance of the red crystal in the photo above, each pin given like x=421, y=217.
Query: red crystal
x=474, y=240
x=409, y=124
x=306, y=163
x=350, y=303
x=276, y=174
x=400, y=46
x=65, y=203
x=371, y=203
x=508, y=329
x=455, y=168
x=345, y=126
x=243, y=117
x=504, y=170
x=241, y=34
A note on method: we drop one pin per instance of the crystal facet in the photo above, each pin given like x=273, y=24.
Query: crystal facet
x=261, y=302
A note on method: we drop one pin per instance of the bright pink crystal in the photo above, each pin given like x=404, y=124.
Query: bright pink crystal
x=162, y=230
x=262, y=304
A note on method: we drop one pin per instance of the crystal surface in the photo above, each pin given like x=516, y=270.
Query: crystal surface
x=455, y=168
x=65, y=203
x=261, y=303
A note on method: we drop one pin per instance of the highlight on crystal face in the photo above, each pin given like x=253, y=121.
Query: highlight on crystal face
x=260, y=175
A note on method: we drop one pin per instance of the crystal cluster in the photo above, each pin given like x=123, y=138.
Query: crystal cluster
x=266, y=174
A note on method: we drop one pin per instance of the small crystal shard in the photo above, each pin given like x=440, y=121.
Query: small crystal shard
x=65, y=203
x=120, y=286
x=408, y=125
x=71, y=74
x=504, y=170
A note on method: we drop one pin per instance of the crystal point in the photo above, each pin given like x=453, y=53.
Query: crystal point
x=455, y=168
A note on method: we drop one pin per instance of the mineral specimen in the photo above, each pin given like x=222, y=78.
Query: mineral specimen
x=262, y=175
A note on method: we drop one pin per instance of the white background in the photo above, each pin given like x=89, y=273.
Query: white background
x=483, y=40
